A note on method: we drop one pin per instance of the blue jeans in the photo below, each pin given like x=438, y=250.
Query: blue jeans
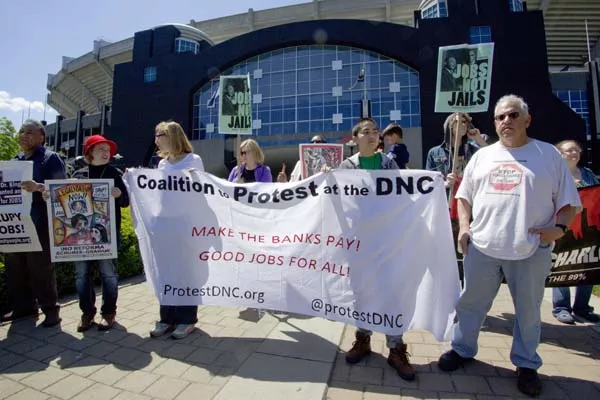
x=483, y=276
x=561, y=299
x=391, y=341
x=84, y=281
x=174, y=315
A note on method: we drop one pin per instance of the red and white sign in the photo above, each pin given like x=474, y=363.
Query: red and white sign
x=506, y=177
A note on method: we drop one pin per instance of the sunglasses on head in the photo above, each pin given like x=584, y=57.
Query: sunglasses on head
x=511, y=115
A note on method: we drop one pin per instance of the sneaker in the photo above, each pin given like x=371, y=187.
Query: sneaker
x=182, y=330
x=588, y=316
x=529, y=382
x=398, y=359
x=52, y=319
x=360, y=348
x=87, y=321
x=107, y=322
x=451, y=361
x=565, y=317
x=160, y=328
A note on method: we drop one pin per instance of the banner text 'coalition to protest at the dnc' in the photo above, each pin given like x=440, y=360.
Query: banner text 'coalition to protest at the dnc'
x=384, y=186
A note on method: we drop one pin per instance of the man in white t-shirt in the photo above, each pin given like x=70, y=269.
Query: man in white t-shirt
x=520, y=197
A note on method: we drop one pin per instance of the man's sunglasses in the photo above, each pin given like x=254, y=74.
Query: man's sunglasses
x=511, y=115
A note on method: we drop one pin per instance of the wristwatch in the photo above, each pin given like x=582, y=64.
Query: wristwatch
x=563, y=227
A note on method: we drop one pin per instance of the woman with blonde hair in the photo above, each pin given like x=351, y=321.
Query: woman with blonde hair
x=177, y=154
x=174, y=148
x=561, y=296
x=250, y=166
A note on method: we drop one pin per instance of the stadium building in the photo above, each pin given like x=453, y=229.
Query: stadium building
x=317, y=67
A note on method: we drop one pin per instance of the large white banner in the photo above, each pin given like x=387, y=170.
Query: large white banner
x=464, y=78
x=17, y=232
x=369, y=248
x=81, y=217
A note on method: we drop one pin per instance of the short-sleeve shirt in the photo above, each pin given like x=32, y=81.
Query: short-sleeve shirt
x=190, y=161
x=512, y=190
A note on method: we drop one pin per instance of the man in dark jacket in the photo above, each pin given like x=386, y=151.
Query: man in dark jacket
x=31, y=276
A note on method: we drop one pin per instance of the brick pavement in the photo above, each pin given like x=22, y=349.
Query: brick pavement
x=571, y=369
x=278, y=357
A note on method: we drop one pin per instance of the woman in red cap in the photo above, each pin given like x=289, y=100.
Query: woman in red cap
x=98, y=151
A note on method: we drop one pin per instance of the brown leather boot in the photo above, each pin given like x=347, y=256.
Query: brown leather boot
x=87, y=321
x=398, y=359
x=107, y=322
x=360, y=348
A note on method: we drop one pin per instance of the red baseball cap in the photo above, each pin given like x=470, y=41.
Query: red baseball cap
x=98, y=139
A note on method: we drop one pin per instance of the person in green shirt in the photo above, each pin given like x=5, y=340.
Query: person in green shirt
x=366, y=134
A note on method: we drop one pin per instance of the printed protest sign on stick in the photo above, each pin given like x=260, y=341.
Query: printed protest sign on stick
x=17, y=232
x=235, y=107
x=81, y=220
x=464, y=78
x=314, y=156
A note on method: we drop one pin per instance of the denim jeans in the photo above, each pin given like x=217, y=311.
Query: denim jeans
x=561, y=299
x=84, y=277
x=391, y=341
x=483, y=276
x=174, y=315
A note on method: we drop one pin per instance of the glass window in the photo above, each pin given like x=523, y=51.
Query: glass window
x=149, y=74
x=186, y=45
x=515, y=5
x=296, y=88
x=577, y=100
x=436, y=10
x=480, y=34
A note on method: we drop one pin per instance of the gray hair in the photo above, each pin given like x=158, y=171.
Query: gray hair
x=513, y=99
x=34, y=124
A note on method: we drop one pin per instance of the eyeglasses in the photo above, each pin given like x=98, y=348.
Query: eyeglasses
x=243, y=153
x=317, y=141
x=511, y=115
x=160, y=135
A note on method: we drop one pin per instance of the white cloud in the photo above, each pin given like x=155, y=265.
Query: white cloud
x=16, y=104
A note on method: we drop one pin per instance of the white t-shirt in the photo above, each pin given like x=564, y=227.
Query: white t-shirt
x=512, y=190
x=191, y=160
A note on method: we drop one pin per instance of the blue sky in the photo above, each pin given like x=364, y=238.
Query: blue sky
x=36, y=34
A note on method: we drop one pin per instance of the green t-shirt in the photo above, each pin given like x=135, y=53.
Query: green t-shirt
x=370, y=162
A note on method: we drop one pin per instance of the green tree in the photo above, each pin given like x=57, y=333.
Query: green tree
x=9, y=139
